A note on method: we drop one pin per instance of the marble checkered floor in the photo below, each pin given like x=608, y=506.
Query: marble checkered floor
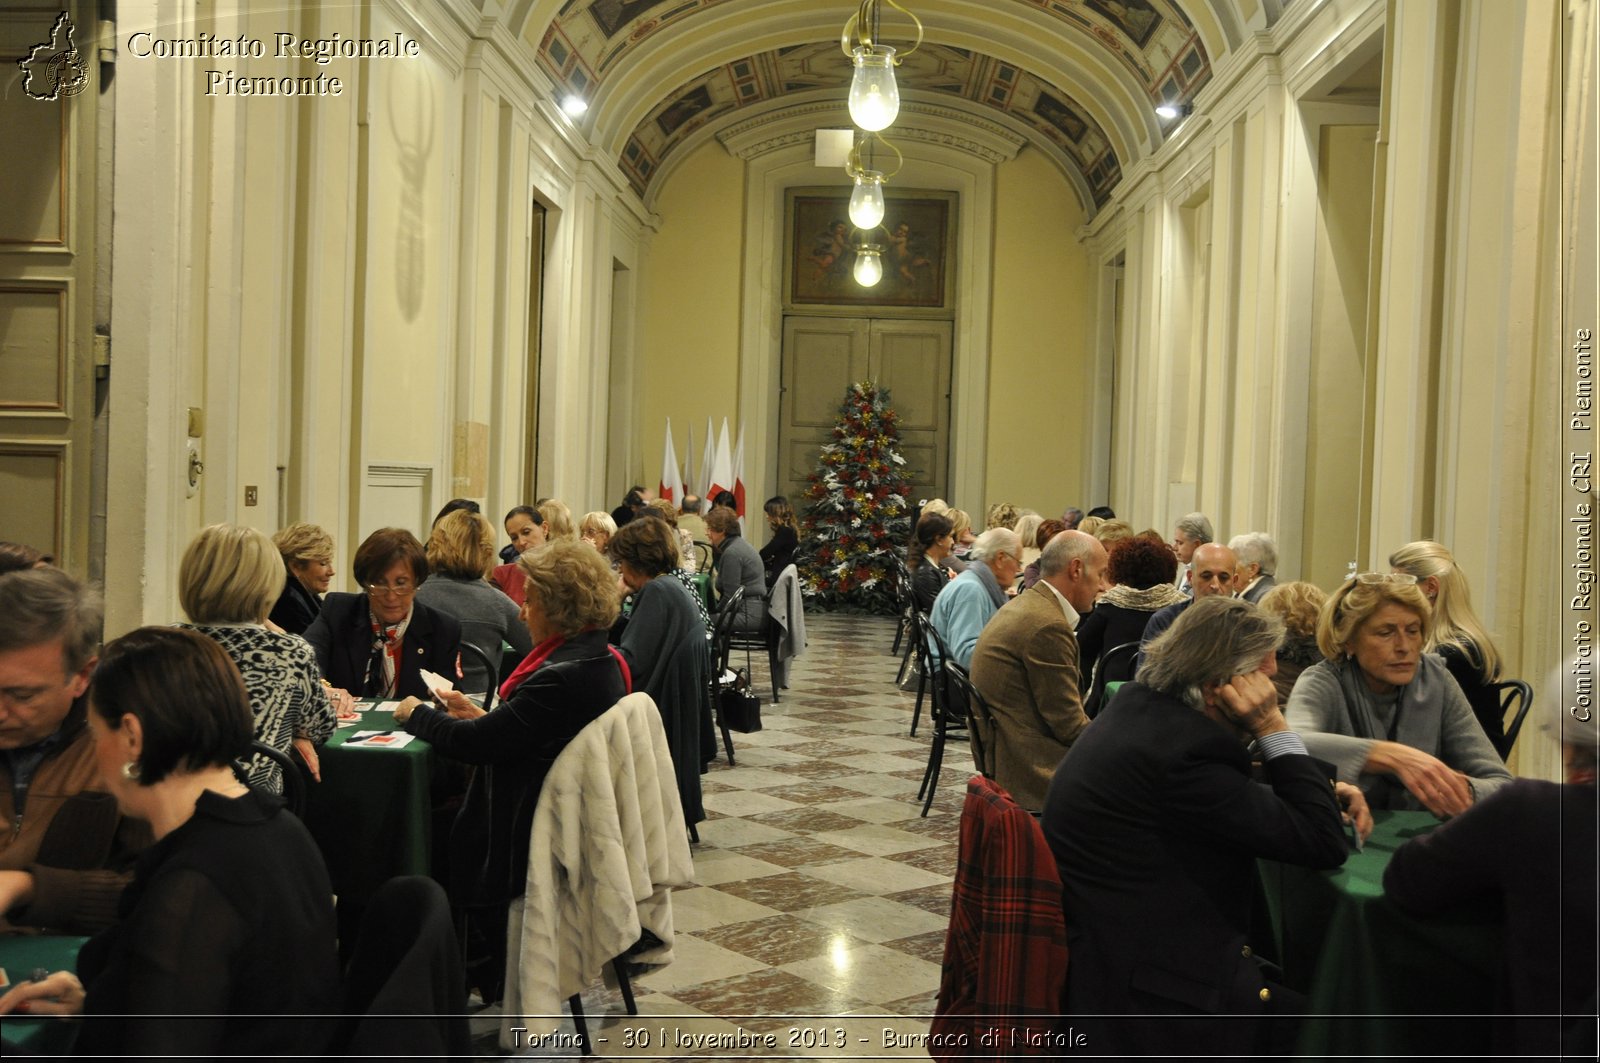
x=816, y=925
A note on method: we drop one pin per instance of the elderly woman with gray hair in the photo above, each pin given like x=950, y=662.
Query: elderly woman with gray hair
x=1156, y=825
x=1527, y=852
x=961, y=610
x=1387, y=716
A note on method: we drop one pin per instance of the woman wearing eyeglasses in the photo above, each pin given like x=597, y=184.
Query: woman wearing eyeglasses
x=1387, y=716
x=376, y=643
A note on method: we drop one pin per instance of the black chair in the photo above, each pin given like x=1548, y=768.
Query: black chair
x=967, y=699
x=404, y=990
x=721, y=629
x=763, y=638
x=1515, y=697
x=948, y=721
x=1114, y=666
x=576, y=1004
x=294, y=782
x=491, y=668
x=703, y=556
x=906, y=603
x=924, y=666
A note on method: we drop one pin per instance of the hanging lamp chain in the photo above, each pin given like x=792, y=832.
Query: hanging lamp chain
x=853, y=163
x=863, y=29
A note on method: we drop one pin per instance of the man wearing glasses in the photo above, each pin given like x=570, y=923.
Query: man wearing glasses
x=66, y=852
x=378, y=642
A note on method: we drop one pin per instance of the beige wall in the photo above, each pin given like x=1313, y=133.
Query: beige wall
x=1040, y=369
x=688, y=328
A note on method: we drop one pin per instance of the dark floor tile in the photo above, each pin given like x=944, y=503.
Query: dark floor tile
x=792, y=891
x=929, y=946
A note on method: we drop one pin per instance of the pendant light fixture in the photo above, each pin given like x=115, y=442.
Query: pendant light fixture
x=874, y=95
x=868, y=269
x=866, y=199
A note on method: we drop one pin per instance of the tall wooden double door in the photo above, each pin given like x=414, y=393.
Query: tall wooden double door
x=822, y=356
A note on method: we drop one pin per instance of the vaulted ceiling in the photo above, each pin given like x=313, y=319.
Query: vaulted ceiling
x=1077, y=79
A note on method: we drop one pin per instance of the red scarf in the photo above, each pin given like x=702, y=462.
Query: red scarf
x=540, y=653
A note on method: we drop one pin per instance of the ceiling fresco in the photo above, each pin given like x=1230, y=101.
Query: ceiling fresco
x=1153, y=40
x=933, y=69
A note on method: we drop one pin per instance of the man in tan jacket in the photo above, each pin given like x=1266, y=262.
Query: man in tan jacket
x=1026, y=667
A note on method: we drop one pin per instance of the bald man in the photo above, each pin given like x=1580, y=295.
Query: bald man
x=1026, y=667
x=1211, y=572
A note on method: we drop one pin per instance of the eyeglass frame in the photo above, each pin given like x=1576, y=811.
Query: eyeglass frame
x=386, y=590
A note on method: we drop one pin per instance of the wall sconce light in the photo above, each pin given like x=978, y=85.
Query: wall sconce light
x=874, y=96
x=572, y=105
x=1171, y=110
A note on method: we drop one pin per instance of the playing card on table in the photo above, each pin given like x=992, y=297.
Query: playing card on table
x=380, y=739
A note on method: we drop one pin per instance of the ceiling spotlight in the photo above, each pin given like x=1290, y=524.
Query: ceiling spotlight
x=573, y=105
x=1171, y=110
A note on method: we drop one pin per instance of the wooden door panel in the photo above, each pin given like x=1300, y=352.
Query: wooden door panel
x=912, y=360
x=821, y=356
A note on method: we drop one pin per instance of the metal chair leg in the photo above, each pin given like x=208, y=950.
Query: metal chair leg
x=577, y=1021
x=922, y=688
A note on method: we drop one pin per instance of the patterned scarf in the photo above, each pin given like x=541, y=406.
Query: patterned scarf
x=383, y=668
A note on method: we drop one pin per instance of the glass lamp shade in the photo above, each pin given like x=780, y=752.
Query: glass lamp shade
x=866, y=201
x=869, y=265
x=874, y=97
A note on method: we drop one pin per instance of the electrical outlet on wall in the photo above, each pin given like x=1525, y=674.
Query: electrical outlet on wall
x=251, y=497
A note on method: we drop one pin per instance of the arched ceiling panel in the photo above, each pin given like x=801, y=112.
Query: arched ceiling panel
x=931, y=72
x=1083, y=76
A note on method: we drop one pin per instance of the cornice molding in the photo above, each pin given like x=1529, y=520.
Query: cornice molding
x=949, y=127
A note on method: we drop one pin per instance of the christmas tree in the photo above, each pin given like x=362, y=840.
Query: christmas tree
x=858, y=519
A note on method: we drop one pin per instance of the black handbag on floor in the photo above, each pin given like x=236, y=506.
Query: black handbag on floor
x=739, y=706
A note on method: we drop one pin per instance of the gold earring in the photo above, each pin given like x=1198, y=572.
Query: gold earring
x=130, y=771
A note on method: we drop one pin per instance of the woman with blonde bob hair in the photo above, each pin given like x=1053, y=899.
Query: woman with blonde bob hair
x=1458, y=635
x=308, y=556
x=557, y=521
x=1298, y=605
x=1386, y=715
x=569, y=679
x=460, y=553
x=229, y=578
x=597, y=528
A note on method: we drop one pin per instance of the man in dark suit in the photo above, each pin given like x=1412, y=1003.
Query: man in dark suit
x=1026, y=666
x=1258, y=562
x=1156, y=825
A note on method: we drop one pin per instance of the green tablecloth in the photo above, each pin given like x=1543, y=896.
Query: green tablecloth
x=372, y=813
x=20, y=955
x=702, y=580
x=1380, y=982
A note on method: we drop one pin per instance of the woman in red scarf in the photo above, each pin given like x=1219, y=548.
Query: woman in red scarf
x=569, y=679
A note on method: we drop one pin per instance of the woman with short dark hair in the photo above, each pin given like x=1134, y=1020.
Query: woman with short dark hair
x=1141, y=574
x=778, y=553
x=378, y=642
x=227, y=935
x=736, y=564
x=931, y=543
